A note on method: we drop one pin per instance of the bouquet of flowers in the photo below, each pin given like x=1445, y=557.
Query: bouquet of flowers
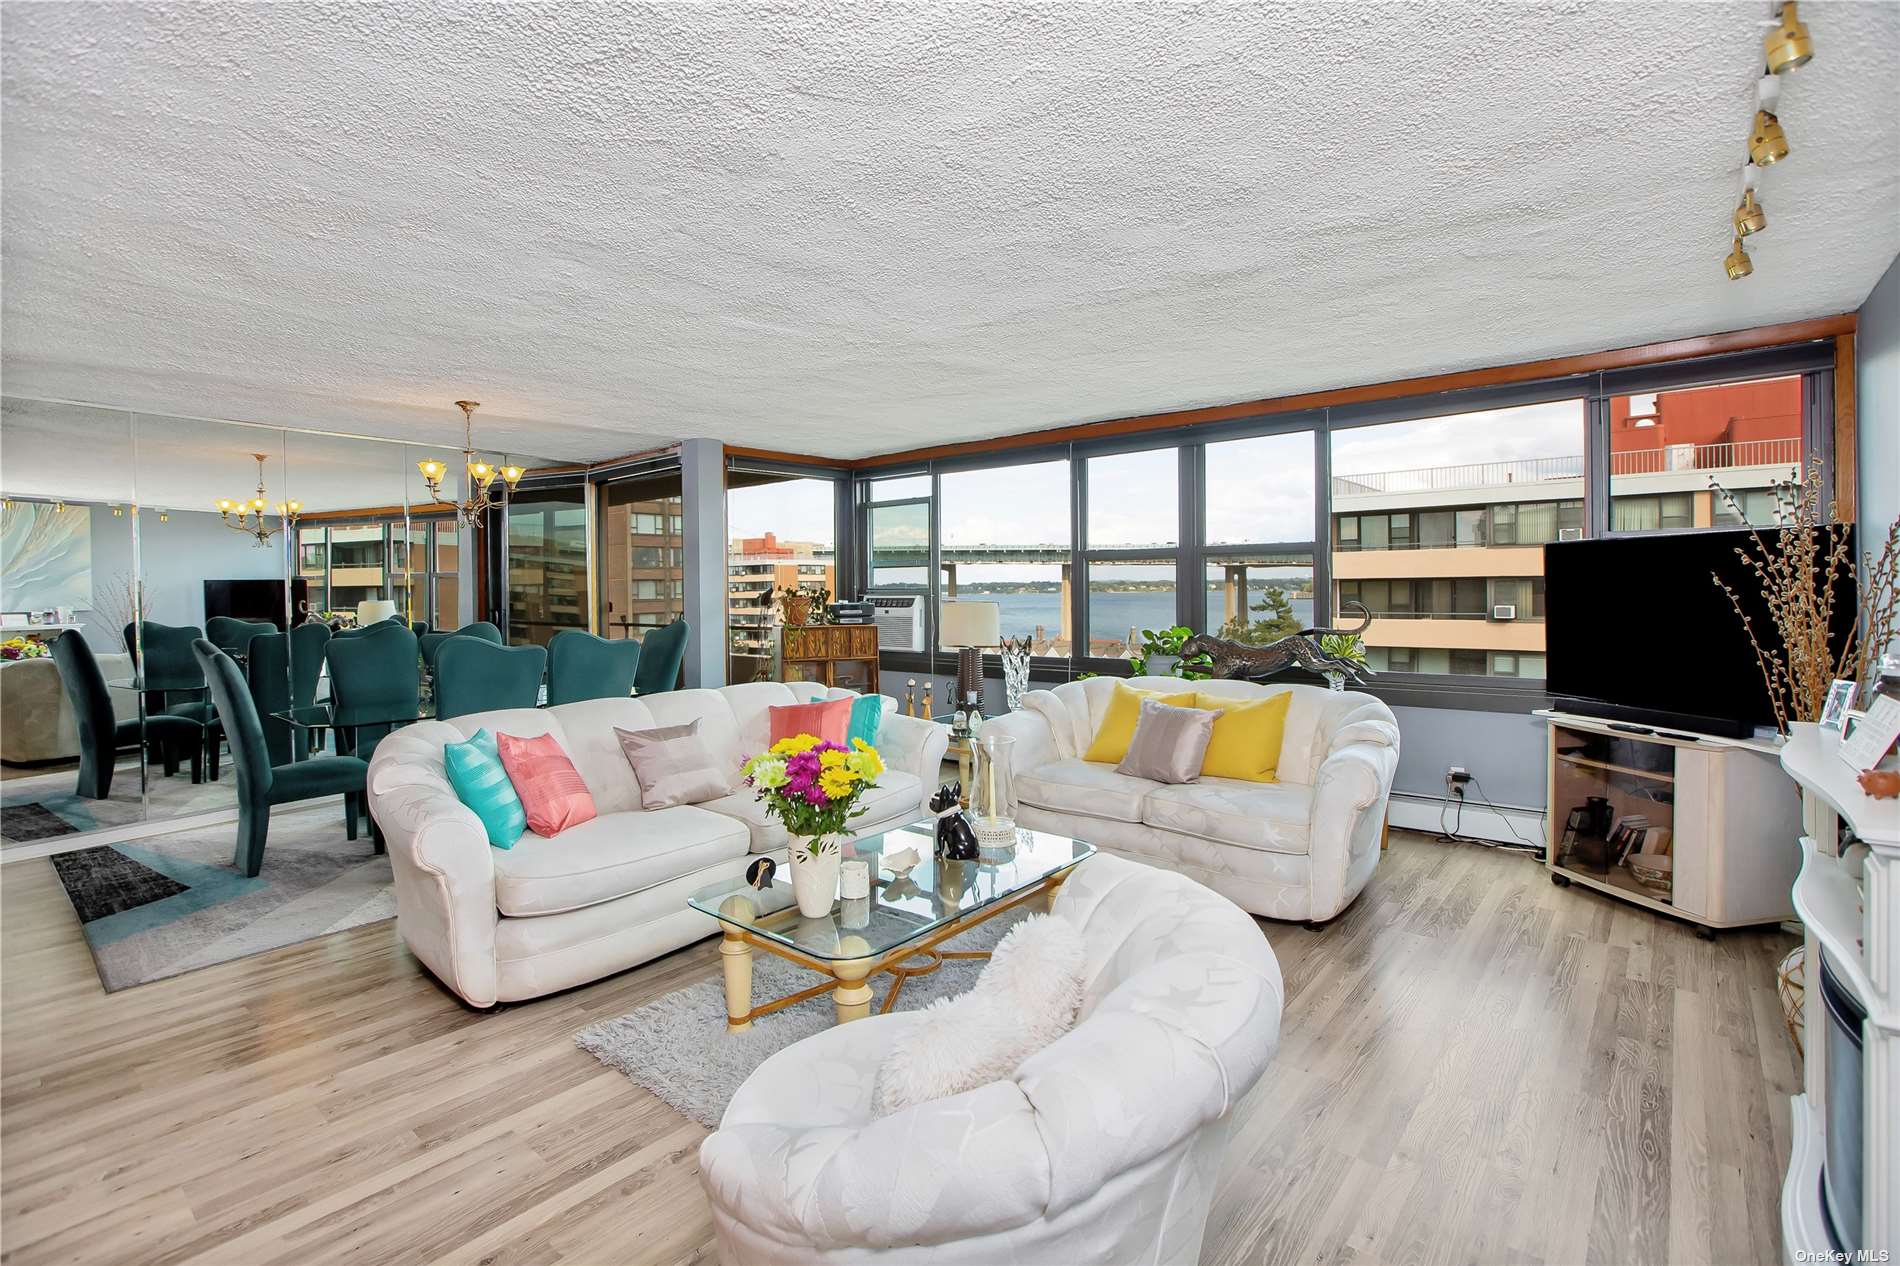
x=24, y=648
x=812, y=786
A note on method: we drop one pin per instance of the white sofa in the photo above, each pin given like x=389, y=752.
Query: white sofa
x=1104, y=1147
x=1300, y=849
x=508, y=924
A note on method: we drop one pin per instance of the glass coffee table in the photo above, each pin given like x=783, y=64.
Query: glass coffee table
x=896, y=929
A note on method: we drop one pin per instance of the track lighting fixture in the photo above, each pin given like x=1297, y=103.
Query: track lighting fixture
x=1789, y=45
x=1749, y=217
x=1738, y=264
x=1767, y=144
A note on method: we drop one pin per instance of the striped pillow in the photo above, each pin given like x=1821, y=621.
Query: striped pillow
x=480, y=782
x=550, y=788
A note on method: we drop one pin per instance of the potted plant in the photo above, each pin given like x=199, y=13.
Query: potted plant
x=1346, y=646
x=1161, y=656
x=813, y=787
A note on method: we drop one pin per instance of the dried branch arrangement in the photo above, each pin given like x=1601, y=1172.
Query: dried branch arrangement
x=1800, y=565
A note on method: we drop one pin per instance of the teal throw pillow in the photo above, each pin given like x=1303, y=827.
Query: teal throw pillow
x=480, y=782
x=867, y=712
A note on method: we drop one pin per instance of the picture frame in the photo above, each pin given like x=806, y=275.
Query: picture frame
x=35, y=618
x=11, y=618
x=1840, y=697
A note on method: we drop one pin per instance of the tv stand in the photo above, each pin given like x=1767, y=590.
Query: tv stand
x=1652, y=719
x=1693, y=826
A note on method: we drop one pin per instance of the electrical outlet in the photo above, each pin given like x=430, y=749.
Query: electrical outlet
x=1455, y=779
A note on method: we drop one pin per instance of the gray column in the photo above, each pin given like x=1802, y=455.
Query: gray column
x=703, y=481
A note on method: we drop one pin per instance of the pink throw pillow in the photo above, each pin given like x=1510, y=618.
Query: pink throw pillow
x=550, y=787
x=830, y=720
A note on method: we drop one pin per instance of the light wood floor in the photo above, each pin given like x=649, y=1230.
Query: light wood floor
x=1475, y=1067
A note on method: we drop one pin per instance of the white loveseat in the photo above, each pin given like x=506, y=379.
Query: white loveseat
x=508, y=924
x=1300, y=849
x=1104, y=1147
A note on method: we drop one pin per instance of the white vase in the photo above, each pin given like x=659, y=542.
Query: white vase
x=814, y=877
x=1335, y=681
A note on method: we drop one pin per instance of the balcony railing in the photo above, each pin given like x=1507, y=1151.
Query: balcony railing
x=1681, y=457
x=1528, y=470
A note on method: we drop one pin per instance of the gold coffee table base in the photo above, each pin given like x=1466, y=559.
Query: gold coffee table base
x=850, y=994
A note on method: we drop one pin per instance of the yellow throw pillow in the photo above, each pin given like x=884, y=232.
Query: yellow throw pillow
x=1247, y=736
x=1117, y=729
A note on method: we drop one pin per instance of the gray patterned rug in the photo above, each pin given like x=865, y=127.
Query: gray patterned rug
x=42, y=806
x=677, y=1046
x=169, y=904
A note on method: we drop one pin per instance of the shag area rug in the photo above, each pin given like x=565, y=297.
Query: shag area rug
x=169, y=904
x=677, y=1046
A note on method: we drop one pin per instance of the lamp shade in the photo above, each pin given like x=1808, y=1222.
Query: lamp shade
x=374, y=611
x=972, y=624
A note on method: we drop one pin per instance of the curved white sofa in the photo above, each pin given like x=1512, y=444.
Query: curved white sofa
x=501, y=925
x=1104, y=1147
x=1299, y=849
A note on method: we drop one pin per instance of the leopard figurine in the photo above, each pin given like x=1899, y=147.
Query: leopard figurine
x=1238, y=661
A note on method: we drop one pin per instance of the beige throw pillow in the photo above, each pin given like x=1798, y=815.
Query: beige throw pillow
x=1169, y=743
x=673, y=765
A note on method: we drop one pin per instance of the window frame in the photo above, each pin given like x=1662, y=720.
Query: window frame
x=1813, y=361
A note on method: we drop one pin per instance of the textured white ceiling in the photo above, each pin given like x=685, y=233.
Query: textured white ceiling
x=853, y=228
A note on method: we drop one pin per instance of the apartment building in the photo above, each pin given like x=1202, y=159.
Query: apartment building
x=756, y=568
x=1450, y=560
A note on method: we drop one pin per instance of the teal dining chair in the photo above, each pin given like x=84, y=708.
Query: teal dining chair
x=266, y=671
x=101, y=734
x=308, y=641
x=175, y=686
x=661, y=654
x=432, y=642
x=374, y=680
x=475, y=675
x=582, y=666
x=261, y=784
x=232, y=635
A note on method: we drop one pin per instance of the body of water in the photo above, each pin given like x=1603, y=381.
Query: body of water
x=1111, y=615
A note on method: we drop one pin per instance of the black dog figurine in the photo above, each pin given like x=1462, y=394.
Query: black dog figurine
x=955, y=840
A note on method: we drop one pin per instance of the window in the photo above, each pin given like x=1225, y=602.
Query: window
x=899, y=537
x=1668, y=447
x=1258, y=490
x=547, y=564
x=642, y=554
x=1134, y=526
x=1005, y=540
x=1477, y=484
x=781, y=534
x=1259, y=598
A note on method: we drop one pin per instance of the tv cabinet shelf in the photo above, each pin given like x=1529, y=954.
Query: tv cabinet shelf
x=1616, y=769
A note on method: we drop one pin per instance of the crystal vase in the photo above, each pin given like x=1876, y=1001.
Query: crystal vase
x=993, y=795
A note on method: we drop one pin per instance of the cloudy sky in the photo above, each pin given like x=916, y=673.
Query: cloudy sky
x=1259, y=491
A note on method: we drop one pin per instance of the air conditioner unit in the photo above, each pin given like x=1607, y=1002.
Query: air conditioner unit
x=1570, y=534
x=1504, y=611
x=900, y=620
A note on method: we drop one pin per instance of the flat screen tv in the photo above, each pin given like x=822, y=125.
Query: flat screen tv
x=254, y=599
x=1636, y=630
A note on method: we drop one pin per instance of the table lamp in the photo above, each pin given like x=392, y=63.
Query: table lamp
x=972, y=628
x=374, y=611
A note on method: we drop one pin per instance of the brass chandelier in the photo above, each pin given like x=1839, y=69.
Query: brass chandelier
x=248, y=516
x=481, y=474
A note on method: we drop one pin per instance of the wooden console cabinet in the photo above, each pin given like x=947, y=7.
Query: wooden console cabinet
x=842, y=655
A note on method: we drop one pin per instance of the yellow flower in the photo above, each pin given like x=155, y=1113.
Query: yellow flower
x=794, y=745
x=865, y=761
x=837, y=783
x=833, y=759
